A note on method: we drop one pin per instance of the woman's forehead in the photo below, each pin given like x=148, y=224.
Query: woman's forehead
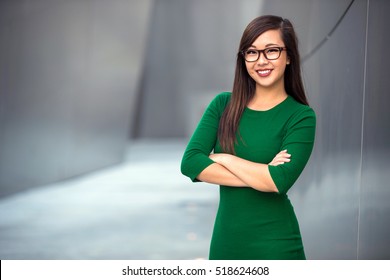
x=268, y=39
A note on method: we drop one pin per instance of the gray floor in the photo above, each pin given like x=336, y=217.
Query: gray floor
x=141, y=209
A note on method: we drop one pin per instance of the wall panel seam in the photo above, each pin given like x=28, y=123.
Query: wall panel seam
x=362, y=134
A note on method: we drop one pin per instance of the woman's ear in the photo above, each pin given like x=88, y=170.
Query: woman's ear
x=288, y=60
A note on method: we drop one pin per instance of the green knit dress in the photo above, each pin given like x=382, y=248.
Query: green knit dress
x=251, y=224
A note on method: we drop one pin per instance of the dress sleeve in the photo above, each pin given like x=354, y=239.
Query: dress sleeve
x=196, y=156
x=299, y=142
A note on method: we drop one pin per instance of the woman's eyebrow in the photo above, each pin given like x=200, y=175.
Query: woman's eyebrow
x=268, y=45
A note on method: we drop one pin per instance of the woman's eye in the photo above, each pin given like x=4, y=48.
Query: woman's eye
x=251, y=52
x=273, y=50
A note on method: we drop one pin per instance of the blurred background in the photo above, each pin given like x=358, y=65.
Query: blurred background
x=98, y=99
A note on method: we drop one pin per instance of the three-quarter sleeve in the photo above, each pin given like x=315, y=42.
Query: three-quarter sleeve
x=299, y=142
x=196, y=156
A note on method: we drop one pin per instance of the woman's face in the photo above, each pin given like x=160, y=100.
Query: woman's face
x=268, y=74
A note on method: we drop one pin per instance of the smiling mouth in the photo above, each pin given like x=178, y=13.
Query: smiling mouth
x=264, y=73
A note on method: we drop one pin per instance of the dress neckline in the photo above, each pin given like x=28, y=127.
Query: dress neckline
x=255, y=112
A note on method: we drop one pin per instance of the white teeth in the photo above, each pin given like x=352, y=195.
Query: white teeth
x=264, y=72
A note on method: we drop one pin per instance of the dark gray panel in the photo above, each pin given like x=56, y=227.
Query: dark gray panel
x=335, y=77
x=374, y=238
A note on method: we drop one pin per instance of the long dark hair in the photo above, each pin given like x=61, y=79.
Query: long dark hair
x=244, y=86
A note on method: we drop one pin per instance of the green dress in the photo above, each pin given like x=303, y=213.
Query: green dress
x=251, y=224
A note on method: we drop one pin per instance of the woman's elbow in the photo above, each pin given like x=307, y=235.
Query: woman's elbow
x=184, y=167
x=273, y=188
x=269, y=184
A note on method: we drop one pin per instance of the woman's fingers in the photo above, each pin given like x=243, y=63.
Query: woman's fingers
x=281, y=158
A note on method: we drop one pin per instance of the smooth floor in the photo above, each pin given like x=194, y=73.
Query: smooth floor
x=142, y=209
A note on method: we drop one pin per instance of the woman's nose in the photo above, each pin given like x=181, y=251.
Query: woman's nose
x=262, y=59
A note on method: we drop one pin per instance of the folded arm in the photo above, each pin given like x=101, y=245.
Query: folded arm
x=230, y=170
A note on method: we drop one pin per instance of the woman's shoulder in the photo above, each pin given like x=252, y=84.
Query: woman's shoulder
x=299, y=108
x=221, y=99
x=299, y=112
x=224, y=96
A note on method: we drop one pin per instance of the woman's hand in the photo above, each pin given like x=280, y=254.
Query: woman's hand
x=280, y=158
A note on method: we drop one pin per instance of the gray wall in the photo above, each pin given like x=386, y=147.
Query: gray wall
x=68, y=78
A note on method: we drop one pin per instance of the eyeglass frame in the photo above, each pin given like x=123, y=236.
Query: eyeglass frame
x=263, y=51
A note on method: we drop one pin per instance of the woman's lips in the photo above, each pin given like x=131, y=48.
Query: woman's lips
x=264, y=73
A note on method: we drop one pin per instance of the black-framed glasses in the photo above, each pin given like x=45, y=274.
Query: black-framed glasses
x=271, y=53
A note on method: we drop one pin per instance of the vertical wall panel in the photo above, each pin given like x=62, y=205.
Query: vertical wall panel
x=374, y=237
x=330, y=204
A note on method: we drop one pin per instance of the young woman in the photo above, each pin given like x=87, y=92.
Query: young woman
x=262, y=135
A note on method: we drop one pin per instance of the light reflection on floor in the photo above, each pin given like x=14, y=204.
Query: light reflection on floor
x=141, y=209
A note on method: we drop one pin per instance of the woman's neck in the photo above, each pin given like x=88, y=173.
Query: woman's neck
x=265, y=99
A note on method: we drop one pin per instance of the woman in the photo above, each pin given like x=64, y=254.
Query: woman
x=262, y=135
